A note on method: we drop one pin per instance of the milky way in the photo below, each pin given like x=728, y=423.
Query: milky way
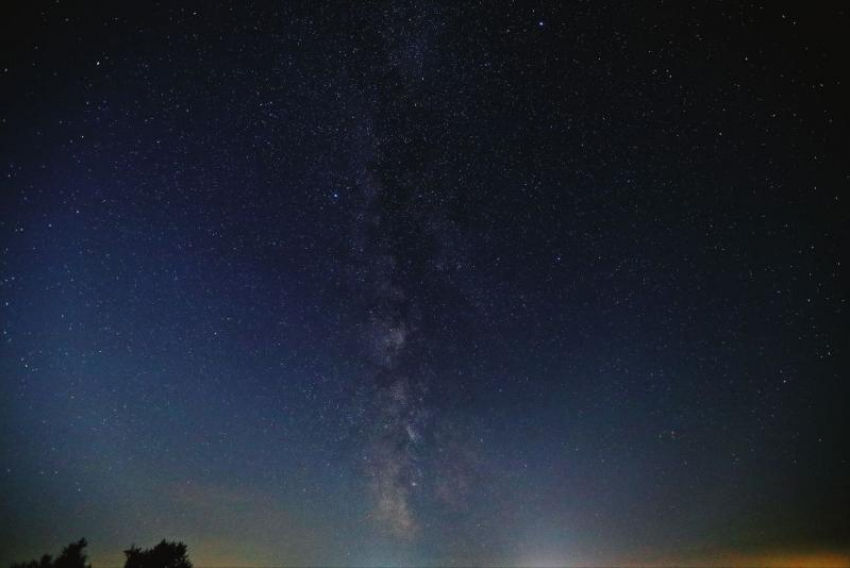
x=403, y=255
x=425, y=282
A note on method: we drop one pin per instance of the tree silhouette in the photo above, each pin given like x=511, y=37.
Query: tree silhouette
x=163, y=555
x=72, y=557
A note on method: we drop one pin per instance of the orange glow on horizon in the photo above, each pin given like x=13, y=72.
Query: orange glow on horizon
x=792, y=559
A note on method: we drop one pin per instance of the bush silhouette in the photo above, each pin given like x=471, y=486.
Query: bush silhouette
x=163, y=555
x=72, y=557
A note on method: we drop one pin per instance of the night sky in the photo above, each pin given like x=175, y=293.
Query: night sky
x=426, y=283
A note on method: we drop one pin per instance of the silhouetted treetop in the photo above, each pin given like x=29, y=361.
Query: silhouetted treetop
x=72, y=557
x=163, y=555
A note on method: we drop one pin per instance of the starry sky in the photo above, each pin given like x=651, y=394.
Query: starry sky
x=425, y=282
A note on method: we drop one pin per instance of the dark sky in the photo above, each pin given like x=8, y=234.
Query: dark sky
x=425, y=282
